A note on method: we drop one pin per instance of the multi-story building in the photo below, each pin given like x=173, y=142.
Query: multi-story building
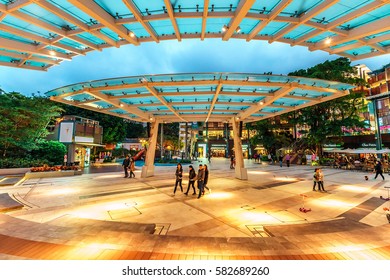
x=216, y=138
x=80, y=135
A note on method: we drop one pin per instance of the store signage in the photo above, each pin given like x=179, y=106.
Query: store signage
x=66, y=132
x=332, y=145
x=218, y=145
x=83, y=139
x=366, y=145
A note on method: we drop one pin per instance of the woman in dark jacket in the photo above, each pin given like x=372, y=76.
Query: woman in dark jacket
x=179, y=177
x=379, y=170
x=206, y=179
x=191, y=180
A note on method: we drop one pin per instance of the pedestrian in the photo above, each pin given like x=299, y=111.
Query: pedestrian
x=191, y=180
x=270, y=158
x=132, y=168
x=316, y=177
x=379, y=169
x=209, y=157
x=200, y=180
x=321, y=180
x=179, y=177
x=232, y=162
x=126, y=164
x=281, y=161
x=288, y=157
x=206, y=179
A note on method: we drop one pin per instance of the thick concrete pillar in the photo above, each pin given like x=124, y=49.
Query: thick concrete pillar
x=148, y=168
x=241, y=172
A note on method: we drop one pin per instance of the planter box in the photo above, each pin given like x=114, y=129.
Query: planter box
x=13, y=171
x=52, y=174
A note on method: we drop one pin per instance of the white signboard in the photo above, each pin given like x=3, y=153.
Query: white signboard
x=66, y=132
x=82, y=139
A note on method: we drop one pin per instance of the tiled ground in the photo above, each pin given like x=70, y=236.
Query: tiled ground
x=104, y=216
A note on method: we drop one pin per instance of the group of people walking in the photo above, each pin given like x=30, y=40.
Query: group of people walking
x=129, y=166
x=201, y=178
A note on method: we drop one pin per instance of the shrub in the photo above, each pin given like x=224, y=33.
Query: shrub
x=21, y=162
x=52, y=151
x=264, y=158
x=120, y=153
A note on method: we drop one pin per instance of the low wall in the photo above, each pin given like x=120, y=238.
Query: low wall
x=13, y=171
x=52, y=174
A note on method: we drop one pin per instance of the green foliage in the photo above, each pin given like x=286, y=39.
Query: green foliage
x=264, y=158
x=268, y=137
x=327, y=119
x=52, y=151
x=109, y=159
x=120, y=153
x=21, y=162
x=24, y=120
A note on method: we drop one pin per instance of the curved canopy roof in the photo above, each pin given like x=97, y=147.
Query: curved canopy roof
x=214, y=97
x=37, y=34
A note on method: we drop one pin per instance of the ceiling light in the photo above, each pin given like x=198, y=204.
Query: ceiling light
x=238, y=29
x=53, y=53
x=261, y=103
x=225, y=28
x=328, y=41
x=121, y=104
x=131, y=33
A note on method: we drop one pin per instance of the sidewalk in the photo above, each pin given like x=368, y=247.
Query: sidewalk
x=262, y=210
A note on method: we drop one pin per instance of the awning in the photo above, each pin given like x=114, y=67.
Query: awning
x=89, y=144
x=360, y=151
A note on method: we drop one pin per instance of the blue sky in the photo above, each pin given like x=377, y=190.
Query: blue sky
x=212, y=55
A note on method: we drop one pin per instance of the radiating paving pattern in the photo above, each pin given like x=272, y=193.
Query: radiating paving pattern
x=105, y=216
x=37, y=34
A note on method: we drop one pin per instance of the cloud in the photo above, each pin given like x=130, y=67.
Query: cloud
x=210, y=55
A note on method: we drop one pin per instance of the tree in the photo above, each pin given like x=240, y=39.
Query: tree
x=171, y=135
x=269, y=137
x=327, y=119
x=24, y=120
x=52, y=151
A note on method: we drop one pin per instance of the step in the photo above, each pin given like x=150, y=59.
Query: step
x=8, y=204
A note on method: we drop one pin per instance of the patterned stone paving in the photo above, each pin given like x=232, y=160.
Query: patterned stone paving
x=104, y=216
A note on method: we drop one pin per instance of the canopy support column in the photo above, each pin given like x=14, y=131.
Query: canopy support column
x=148, y=168
x=241, y=172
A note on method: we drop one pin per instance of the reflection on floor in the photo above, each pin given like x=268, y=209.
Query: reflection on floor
x=102, y=215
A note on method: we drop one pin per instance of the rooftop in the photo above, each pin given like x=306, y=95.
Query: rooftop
x=214, y=97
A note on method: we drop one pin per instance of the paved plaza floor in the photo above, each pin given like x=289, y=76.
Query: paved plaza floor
x=105, y=216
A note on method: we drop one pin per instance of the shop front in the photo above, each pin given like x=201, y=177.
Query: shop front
x=218, y=150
